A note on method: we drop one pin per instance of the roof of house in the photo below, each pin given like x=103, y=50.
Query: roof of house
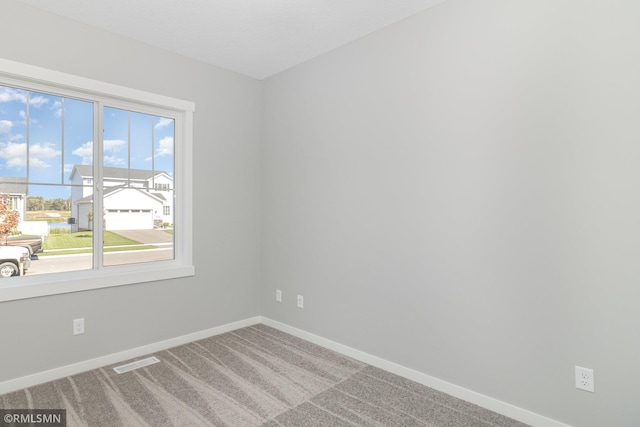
x=86, y=171
x=109, y=191
x=13, y=185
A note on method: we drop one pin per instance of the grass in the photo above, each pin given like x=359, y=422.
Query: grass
x=84, y=239
x=89, y=250
x=82, y=242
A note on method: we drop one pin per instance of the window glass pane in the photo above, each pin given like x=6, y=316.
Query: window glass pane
x=164, y=164
x=116, y=136
x=141, y=143
x=138, y=193
x=13, y=132
x=163, y=145
x=45, y=138
x=52, y=217
x=78, y=136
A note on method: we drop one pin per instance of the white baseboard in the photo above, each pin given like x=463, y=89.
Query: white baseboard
x=487, y=402
x=87, y=365
x=481, y=400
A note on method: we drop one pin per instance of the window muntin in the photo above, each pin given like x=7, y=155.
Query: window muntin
x=27, y=78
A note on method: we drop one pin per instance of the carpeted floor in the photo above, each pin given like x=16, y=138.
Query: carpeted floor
x=250, y=377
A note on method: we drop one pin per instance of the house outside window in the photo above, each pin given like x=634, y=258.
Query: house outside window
x=123, y=187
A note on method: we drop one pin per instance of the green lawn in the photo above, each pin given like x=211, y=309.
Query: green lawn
x=82, y=243
x=84, y=239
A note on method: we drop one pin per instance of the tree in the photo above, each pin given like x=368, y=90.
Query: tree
x=56, y=204
x=35, y=203
x=9, y=218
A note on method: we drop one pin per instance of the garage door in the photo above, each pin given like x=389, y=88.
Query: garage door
x=129, y=219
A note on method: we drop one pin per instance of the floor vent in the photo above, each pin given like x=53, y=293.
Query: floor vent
x=135, y=365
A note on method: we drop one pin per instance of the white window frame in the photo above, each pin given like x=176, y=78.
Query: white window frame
x=26, y=76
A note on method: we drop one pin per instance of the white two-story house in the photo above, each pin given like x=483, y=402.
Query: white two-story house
x=134, y=199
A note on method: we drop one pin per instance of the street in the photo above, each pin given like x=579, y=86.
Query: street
x=60, y=263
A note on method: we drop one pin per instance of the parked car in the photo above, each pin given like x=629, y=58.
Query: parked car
x=14, y=261
x=33, y=243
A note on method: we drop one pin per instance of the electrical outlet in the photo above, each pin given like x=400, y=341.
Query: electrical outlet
x=300, y=301
x=278, y=295
x=78, y=326
x=584, y=379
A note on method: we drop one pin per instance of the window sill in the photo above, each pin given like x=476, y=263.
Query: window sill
x=24, y=287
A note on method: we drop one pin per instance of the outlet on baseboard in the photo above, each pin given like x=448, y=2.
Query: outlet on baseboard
x=584, y=379
x=278, y=295
x=300, y=301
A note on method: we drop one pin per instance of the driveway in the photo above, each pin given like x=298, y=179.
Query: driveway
x=146, y=236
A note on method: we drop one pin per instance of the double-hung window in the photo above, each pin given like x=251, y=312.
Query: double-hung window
x=101, y=174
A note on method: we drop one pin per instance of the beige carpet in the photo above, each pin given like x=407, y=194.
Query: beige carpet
x=250, y=377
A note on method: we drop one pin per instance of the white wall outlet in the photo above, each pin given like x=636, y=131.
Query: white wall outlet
x=584, y=379
x=278, y=295
x=300, y=301
x=78, y=326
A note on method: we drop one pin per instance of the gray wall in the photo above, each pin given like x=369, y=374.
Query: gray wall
x=460, y=193
x=226, y=209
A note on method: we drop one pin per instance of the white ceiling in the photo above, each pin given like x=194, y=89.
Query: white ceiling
x=257, y=38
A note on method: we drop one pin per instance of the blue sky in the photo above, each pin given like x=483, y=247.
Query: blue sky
x=131, y=139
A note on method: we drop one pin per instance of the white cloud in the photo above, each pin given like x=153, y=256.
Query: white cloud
x=85, y=151
x=114, y=145
x=163, y=123
x=8, y=94
x=111, y=148
x=165, y=147
x=114, y=161
x=39, y=152
x=37, y=163
x=15, y=154
x=23, y=116
x=5, y=126
x=57, y=107
x=38, y=101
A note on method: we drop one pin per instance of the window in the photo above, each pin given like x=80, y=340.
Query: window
x=14, y=203
x=102, y=173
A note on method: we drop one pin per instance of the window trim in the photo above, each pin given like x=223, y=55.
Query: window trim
x=50, y=81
